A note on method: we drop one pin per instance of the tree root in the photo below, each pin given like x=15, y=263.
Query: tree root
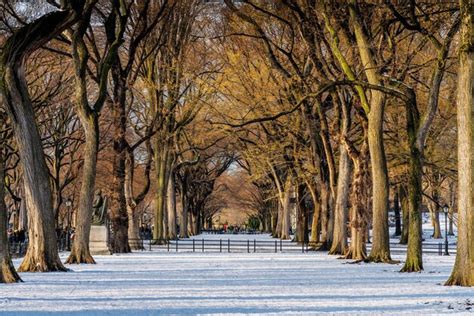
x=320, y=246
x=412, y=266
x=82, y=257
x=381, y=258
x=350, y=255
x=459, y=279
x=41, y=264
x=338, y=250
x=8, y=273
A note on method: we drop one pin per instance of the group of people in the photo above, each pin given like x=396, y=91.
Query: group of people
x=145, y=232
x=16, y=236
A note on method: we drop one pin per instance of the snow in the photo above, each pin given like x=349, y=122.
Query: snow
x=159, y=282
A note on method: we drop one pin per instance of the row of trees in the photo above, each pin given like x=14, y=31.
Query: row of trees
x=105, y=95
x=336, y=103
x=331, y=106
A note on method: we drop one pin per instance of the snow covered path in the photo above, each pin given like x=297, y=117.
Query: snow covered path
x=196, y=283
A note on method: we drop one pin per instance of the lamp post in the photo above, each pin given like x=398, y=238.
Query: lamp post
x=445, y=211
x=69, y=218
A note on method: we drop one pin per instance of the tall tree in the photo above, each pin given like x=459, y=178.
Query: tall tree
x=42, y=254
x=89, y=113
x=463, y=271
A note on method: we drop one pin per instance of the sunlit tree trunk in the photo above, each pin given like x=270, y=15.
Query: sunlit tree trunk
x=286, y=209
x=279, y=221
x=315, y=232
x=80, y=252
x=339, y=242
x=161, y=157
x=380, y=234
x=463, y=271
x=358, y=197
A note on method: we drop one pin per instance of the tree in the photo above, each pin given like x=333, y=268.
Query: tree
x=89, y=113
x=463, y=271
x=42, y=254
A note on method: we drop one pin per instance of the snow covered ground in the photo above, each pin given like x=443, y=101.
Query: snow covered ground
x=159, y=282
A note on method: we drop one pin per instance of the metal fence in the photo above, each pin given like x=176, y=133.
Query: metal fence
x=261, y=246
x=231, y=245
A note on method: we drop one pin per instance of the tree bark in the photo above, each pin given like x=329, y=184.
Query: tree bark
x=463, y=270
x=325, y=201
x=396, y=209
x=315, y=232
x=172, y=208
x=359, y=196
x=286, y=209
x=414, y=261
x=434, y=214
x=80, y=252
x=339, y=242
x=118, y=210
x=161, y=158
x=380, y=240
x=405, y=215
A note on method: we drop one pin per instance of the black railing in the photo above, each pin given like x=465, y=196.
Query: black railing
x=229, y=245
x=230, y=231
x=255, y=245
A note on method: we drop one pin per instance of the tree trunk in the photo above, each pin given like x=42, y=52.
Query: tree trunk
x=339, y=242
x=315, y=232
x=80, y=252
x=171, y=208
x=434, y=214
x=396, y=209
x=359, y=196
x=133, y=217
x=183, y=225
x=118, y=210
x=7, y=270
x=301, y=218
x=325, y=201
x=463, y=271
x=161, y=157
x=286, y=209
x=435, y=221
x=414, y=261
x=274, y=222
x=453, y=205
x=405, y=214
x=279, y=221
x=380, y=234
x=134, y=237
